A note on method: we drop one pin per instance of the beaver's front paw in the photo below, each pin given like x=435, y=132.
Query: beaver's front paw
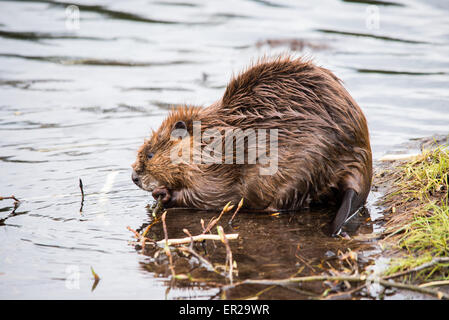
x=162, y=192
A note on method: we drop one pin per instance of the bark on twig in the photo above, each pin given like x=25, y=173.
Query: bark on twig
x=200, y=237
x=170, y=242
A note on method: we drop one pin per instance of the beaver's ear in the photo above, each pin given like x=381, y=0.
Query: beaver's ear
x=180, y=125
x=180, y=130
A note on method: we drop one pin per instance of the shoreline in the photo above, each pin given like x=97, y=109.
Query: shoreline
x=414, y=204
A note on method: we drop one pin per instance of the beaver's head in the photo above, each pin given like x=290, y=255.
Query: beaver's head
x=158, y=168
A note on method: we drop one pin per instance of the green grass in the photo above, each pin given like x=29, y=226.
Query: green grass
x=428, y=174
x=420, y=228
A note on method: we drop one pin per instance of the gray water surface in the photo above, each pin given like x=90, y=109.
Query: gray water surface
x=77, y=103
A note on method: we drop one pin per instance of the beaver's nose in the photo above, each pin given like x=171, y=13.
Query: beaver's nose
x=135, y=178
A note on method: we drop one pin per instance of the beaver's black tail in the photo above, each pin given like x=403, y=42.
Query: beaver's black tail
x=349, y=205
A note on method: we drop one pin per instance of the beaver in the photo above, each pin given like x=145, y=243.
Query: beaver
x=322, y=148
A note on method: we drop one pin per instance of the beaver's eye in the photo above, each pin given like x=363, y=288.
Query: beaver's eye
x=150, y=155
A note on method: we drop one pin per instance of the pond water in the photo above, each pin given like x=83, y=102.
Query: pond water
x=78, y=96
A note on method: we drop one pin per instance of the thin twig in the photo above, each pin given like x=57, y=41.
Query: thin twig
x=202, y=260
x=200, y=237
x=166, y=247
x=144, y=233
x=136, y=234
x=431, y=263
x=435, y=283
x=435, y=293
x=202, y=224
x=297, y=255
x=228, y=251
x=345, y=294
x=236, y=210
x=10, y=197
x=142, y=239
x=82, y=195
x=303, y=279
x=213, y=221
x=257, y=294
x=187, y=232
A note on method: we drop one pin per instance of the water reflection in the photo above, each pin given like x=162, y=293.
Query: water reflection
x=268, y=247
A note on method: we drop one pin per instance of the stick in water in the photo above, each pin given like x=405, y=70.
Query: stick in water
x=200, y=237
x=82, y=195
x=237, y=210
x=166, y=248
x=11, y=197
x=225, y=241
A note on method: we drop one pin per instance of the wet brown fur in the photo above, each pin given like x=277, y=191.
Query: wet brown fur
x=324, y=146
